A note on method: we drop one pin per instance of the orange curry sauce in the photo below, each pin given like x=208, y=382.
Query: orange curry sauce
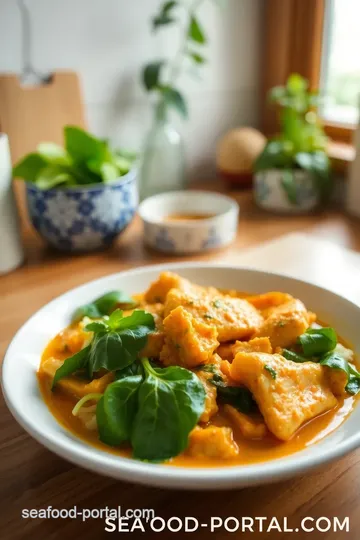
x=250, y=451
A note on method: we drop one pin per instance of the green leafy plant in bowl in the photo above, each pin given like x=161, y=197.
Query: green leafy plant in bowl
x=298, y=153
x=83, y=160
x=82, y=195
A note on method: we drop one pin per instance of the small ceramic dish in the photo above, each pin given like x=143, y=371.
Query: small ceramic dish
x=215, y=226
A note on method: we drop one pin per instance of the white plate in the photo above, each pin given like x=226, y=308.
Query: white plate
x=24, y=400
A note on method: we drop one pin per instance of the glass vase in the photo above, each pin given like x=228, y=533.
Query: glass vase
x=163, y=158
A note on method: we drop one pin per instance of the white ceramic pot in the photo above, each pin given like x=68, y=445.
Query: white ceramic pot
x=271, y=194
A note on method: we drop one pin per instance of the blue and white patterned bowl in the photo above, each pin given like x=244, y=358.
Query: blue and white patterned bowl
x=189, y=236
x=271, y=194
x=83, y=218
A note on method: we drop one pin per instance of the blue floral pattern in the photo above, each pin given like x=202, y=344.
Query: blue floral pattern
x=83, y=218
x=213, y=240
x=270, y=193
x=163, y=242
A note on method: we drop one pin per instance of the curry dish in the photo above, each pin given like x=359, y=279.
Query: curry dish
x=195, y=376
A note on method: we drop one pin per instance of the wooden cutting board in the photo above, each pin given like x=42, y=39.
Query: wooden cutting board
x=32, y=114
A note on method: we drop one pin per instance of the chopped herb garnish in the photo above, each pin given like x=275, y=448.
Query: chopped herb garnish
x=208, y=368
x=208, y=316
x=271, y=371
x=217, y=304
x=281, y=324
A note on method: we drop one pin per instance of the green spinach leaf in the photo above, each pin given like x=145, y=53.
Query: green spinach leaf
x=237, y=396
x=170, y=403
x=317, y=341
x=71, y=365
x=133, y=369
x=115, y=412
x=115, y=344
x=334, y=360
x=118, y=346
x=104, y=305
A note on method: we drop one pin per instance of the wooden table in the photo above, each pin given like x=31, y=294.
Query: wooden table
x=33, y=477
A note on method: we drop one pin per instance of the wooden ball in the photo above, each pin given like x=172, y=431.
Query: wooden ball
x=236, y=153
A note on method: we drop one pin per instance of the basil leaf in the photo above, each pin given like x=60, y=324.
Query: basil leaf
x=237, y=396
x=318, y=341
x=72, y=364
x=116, y=410
x=97, y=326
x=118, y=348
x=170, y=403
x=104, y=305
x=294, y=357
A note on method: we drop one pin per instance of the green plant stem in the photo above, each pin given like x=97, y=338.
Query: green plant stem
x=176, y=67
x=147, y=366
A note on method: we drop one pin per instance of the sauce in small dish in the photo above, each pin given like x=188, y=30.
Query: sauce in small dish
x=188, y=217
x=181, y=222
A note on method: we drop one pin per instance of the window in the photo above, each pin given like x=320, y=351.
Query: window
x=320, y=39
x=340, y=65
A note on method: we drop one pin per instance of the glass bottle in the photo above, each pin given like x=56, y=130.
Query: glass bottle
x=163, y=159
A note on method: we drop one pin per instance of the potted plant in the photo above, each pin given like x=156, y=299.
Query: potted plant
x=82, y=196
x=292, y=174
x=163, y=157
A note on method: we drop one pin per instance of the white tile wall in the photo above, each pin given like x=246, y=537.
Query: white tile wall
x=107, y=42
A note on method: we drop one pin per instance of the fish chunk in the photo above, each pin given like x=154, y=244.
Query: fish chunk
x=229, y=351
x=285, y=323
x=212, y=442
x=72, y=385
x=266, y=301
x=287, y=394
x=188, y=341
x=250, y=428
x=155, y=340
x=166, y=281
x=211, y=407
x=234, y=318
